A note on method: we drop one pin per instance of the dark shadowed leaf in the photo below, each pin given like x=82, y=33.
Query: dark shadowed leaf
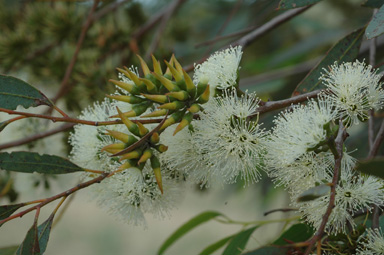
x=191, y=224
x=289, y=4
x=297, y=233
x=345, y=50
x=30, y=245
x=215, y=246
x=29, y=162
x=373, y=3
x=43, y=233
x=314, y=193
x=7, y=210
x=372, y=167
x=268, y=251
x=239, y=241
x=15, y=92
x=376, y=25
x=8, y=250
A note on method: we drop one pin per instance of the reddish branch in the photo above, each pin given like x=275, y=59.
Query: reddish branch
x=60, y=195
x=64, y=83
x=341, y=136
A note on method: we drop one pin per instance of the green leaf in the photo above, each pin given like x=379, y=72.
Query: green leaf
x=373, y=3
x=376, y=25
x=238, y=243
x=30, y=245
x=372, y=167
x=297, y=233
x=188, y=226
x=215, y=246
x=289, y=4
x=15, y=92
x=345, y=50
x=314, y=193
x=8, y=250
x=268, y=251
x=29, y=162
x=43, y=233
x=7, y=210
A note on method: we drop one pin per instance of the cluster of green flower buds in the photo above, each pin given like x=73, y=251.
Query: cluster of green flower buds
x=172, y=92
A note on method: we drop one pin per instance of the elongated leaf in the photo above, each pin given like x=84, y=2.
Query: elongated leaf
x=297, y=233
x=43, y=233
x=238, y=243
x=191, y=224
x=373, y=3
x=15, y=92
x=8, y=250
x=289, y=4
x=372, y=167
x=314, y=193
x=376, y=25
x=345, y=50
x=268, y=251
x=30, y=245
x=29, y=162
x=215, y=246
x=7, y=210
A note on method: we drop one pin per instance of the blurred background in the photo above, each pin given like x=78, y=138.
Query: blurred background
x=57, y=47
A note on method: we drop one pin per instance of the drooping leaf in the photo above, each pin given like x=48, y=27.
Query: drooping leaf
x=314, y=193
x=268, y=251
x=297, y=233
x=345, y=50
x=7, y=210
x=215, y=246
x=43, y=231
x=289, y=4
x=188, y=226
x=373, y=3
x=30, y=245
x=376, y=25
x=372, y=167
x=239, y=241
x=8, y=250
x=15, y=92
x=29, y=162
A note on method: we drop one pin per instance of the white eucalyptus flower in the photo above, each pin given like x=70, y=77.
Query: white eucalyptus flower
x=372, y=243
x=355, y=89
x=220, y=70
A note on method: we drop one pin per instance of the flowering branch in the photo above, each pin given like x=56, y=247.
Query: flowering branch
x=341, y=136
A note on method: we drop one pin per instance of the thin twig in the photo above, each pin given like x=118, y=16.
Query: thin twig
x=164, y=20
x=280, y=210
x=274, y=105
x=36, y=136
x=109, y=8
x=371, y=132
x=341, y=136
x=64, y=83
x=249, y=38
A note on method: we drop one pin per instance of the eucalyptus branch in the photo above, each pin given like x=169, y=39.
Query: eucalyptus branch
x=341, y=136
x=280, y=210
x=274, y=105
x=60, y=195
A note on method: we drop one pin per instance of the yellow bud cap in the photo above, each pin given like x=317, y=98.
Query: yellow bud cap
x=142, y=130
x=155, y=138
x=156, y=66
x=131, y=88
x=205, y=96
x=114, y=148
x=167, y=83
x=133, y=76
x=131, y=155
x=158, y=113
x=144, y=66
x=146, y=155
x=175, y=73
x=176, y=105
x=194, y=108
x=179, y=68
x=156, y=98
x=179, y=95
x=191, y=88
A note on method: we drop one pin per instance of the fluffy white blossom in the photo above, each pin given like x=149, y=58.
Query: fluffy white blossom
x=353, y=193
x=372, y=243
x=225, y=146
x=298, y=130
x=355, y=89
x=220, y=70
